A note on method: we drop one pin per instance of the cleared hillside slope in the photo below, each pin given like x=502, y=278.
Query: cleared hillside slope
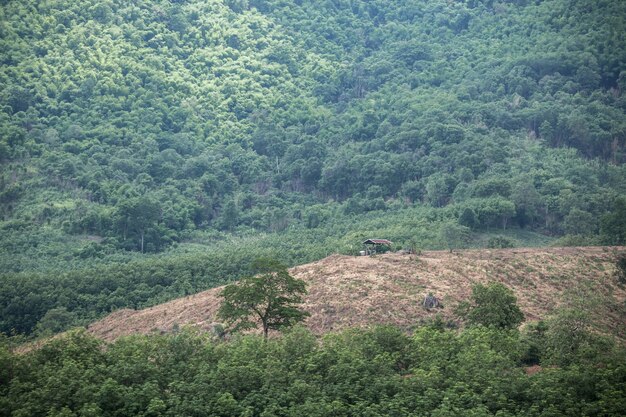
x=347, y=291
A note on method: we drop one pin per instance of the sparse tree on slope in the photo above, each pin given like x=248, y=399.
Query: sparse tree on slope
x=271, y=298
x=493, y=305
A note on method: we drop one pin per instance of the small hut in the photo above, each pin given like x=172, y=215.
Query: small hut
x=373, y=246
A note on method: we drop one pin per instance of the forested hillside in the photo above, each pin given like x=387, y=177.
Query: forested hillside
x=296, y=129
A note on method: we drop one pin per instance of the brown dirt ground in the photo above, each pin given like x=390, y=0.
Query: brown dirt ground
x=347, y=291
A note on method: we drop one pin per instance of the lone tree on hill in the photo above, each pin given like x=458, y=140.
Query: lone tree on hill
x=271, y=297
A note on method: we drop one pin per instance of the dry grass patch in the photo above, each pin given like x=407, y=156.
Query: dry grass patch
x=347, y=291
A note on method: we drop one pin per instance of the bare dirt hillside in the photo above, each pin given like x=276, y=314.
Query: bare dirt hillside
x=346, y=291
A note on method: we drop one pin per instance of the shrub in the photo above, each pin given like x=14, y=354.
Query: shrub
x=492, y=305
x=500, y=242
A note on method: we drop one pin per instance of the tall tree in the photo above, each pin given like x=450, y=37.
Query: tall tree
x=271, y=298
x=136, y=216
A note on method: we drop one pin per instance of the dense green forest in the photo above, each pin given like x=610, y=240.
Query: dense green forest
x=378, y=372
x=151, y=149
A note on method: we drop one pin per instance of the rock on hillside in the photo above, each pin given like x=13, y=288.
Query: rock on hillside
x=346, y=291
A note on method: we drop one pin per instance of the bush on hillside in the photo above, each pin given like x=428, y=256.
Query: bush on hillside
x=492, y=305
x=500, y=242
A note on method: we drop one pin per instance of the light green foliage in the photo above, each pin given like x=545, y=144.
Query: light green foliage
x=568, y=335
x=454, y=236
x=571, y=334
x=270, y=298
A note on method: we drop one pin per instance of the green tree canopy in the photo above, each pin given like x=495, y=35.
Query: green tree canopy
x=271, y=298
x=613, y=225
x=494, y=305
x=453, y=235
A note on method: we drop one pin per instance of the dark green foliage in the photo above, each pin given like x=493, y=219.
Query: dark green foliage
x=579, y=222
x=500, y=242
x=271, y=297
x=494, y=305
x=53, y=303
x=534, y=338
x=613, y=225
x=54, y=321
x=89, y=288
x=468, y=218
x=376, y=372
x=136, y=217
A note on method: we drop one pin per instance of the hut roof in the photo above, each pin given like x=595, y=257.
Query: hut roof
x=377, y=242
